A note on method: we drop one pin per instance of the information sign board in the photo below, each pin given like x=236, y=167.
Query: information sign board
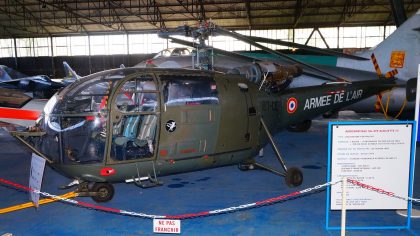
x=35, y=177
x=377, y=155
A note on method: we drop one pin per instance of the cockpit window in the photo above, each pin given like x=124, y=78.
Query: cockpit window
x=100, y=88
x=90, y=95
x=173, y=52
x=188, y=90
x=76, y=119
x=137, y=95
x=181, y=52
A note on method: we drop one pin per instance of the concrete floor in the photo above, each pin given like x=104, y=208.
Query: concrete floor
x=197, y=192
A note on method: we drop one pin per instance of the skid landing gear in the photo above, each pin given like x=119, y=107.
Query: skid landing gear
x=293, y=176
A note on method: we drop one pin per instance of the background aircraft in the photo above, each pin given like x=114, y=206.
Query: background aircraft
x=38, y=86
x=22, y=99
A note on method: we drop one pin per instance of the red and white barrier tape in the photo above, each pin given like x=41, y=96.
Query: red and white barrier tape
x=381, y=191
x=205, y=213
x=184, y=216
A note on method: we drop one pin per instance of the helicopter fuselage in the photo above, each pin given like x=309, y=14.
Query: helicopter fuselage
x=129, y=123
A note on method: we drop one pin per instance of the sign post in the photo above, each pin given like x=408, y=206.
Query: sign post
x=417, y=109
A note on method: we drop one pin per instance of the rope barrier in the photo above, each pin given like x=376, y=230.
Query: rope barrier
x=381, y=191
x=183, y=216
x=204, y=213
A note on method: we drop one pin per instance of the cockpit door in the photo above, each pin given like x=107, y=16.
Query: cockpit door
x=134, y=119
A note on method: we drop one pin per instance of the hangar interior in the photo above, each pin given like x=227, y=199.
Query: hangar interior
x=97, y=35
x=37, y=36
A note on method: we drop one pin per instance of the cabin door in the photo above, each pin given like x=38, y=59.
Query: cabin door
x=134, y=120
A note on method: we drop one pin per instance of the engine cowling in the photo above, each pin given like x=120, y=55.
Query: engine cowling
x=251, y=71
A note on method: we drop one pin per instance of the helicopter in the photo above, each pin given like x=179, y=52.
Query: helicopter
x=137, y=124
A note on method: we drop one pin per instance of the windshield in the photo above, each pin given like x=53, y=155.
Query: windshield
x=173, y=52
x=75, y=120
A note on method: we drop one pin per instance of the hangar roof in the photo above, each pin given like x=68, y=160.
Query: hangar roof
x=37, y=18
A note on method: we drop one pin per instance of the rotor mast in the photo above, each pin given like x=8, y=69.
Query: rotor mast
x=203, y=57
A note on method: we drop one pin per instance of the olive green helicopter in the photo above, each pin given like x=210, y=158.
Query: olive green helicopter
x=137, y=124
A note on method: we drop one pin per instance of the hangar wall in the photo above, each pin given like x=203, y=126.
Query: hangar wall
x=83, y=65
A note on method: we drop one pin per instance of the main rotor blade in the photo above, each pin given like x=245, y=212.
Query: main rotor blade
x=216, y=50
x=306, y=47
x=246, y=40
x=320, y=77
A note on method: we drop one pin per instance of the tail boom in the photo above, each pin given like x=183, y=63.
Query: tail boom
x=306, y=103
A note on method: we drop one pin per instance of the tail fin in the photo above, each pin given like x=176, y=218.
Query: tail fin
x=4, y=76
x=70, y=73
x=122, y=66
x=400, y=49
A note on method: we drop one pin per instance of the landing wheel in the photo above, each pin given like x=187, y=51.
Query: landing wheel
x=294, y=177
x=300, y=127
x=104, y=192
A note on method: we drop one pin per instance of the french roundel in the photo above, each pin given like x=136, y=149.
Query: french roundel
x=291, y=105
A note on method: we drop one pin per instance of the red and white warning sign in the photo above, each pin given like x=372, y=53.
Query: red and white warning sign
x=164, y=226
x=291, y=105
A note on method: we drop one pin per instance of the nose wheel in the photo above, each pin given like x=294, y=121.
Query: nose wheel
x=98, y=191
x=102, y=192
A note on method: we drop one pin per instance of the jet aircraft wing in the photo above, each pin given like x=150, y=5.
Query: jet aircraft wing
x=19, y=109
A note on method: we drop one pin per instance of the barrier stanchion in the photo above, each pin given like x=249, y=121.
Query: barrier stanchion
x=343, y=205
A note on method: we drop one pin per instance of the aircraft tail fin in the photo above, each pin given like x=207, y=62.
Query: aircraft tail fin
x=122, y=66
x=70, y=73
x=400, y=49
x=4, y=76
